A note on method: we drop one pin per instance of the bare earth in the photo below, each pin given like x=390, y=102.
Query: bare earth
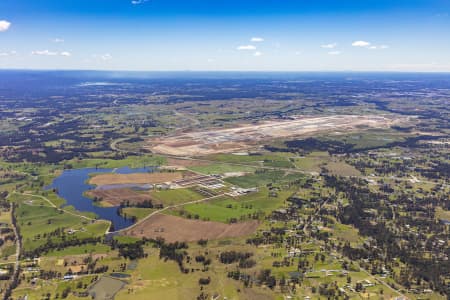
x=173, y=228
x=136, y=178
x=248, y=135
x=115, y=197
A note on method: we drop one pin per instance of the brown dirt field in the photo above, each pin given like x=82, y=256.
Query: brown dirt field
x=173, y=228
x=137, y=178
x=115, y=197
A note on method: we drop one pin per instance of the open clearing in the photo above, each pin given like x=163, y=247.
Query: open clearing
x=225, y=208
x=136, y=178
x=248, y=135
x=185, y=162
x=173, y=229
x=314, y=162
x=114, y=197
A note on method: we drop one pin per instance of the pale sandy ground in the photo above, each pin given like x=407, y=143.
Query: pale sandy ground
x=248, y=135
x=136, y=178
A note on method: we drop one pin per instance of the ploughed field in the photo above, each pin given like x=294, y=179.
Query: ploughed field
x=245, y=136
x=173, y=228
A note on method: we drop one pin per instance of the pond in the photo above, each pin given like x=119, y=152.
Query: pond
x=120, y=275
x=72, y=184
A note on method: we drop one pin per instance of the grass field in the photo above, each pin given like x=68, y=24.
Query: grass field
x=312, y=162
x=45, y=287
x=262, y=178
x=139, y=213
x=315, y=161
x=156, y=279
x=342, y=169
x=220, y=168
x=171, y=197
x=347, y=233
x=273, y=159
x=78, y=250
x=370, y=138
x=130, y=161
x=442, y=214
x=36, y=222
x=225, y=208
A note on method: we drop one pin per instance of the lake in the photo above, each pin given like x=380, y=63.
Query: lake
x=72, y=184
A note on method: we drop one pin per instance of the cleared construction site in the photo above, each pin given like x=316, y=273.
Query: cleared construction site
x=245, y=136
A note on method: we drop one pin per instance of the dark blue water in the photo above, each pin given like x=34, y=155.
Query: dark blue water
x=71, y=185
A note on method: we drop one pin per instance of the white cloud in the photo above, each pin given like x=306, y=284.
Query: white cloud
x=360, y=44
x=329, y=46
x=51, y=53
x=106, y=56
x=257, y=39
x=137, y=2
x=57, y=40
x=257, y=53
x=246, y=47
x=10, y=53
x=334, y=52
x=380, y=47
x=44, y=52
x=4, y=25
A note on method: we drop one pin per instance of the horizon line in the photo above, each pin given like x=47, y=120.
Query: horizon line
x=225, y=71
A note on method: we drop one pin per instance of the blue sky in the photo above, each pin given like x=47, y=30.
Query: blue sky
x=281, y=35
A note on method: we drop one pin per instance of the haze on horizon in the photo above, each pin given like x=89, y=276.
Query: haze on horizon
x=270, y=35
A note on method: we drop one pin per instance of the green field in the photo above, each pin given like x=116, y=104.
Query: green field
x=368, y=139
x=156, y=279
x=220, y=168
x=130, y=161
x=442, y=214
x=78, y=250
x=262, y=178
x=139, y=213
x=315, y=161
x=37, y=223
x=312, y=162
x=278, y=160
x=225, y=208
x=342, y=169
x=176, y=196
